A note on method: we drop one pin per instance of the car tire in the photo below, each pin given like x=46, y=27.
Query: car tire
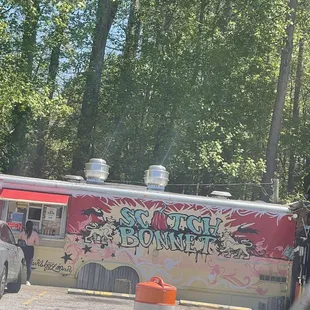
x=2, y=281
x=15, y=286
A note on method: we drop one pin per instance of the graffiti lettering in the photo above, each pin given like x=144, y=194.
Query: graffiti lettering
x=191, y=224
x=128, y=217
x=197, y=225
x=168, y=231
x=211, y=229
x=205, y=240
x=50, y=266
x=184, y=242
x=128, y=239
x=177, y=217
x=140, y=221
x=132, y=217
x=161, y=239
x=143, y=234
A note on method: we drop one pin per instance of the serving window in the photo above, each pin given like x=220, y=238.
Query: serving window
x=48, y=219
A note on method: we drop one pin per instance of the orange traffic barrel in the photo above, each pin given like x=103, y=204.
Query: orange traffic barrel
x=156, y=295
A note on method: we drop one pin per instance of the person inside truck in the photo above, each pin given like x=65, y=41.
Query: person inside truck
x=31, y=238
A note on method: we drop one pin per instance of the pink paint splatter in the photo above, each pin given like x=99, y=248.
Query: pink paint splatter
x=213, y=275
x=80, y=226
x=236, y=282
x=261, y=291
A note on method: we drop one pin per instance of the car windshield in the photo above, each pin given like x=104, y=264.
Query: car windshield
x=6, y=234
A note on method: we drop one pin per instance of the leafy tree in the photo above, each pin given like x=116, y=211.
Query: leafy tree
x=286, y=57
x=186, y=84
x=106, y=12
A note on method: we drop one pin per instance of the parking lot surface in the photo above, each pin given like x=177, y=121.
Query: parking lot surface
x=52, y=298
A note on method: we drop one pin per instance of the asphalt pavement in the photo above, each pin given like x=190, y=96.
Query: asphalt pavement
x=53, y=298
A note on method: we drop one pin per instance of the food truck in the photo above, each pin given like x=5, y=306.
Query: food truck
x=108, y=237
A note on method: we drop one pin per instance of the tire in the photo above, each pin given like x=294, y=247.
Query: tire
x=2, y=281
x=15, y=286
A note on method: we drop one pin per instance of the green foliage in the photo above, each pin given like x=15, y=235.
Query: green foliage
x=187, y=84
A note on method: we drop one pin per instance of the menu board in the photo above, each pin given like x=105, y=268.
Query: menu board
x=51, y=220
x=50, y=214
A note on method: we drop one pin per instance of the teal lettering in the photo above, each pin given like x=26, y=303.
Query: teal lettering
x=211, y=229
x=161, y=239
x=190, y=224
x=177, y=220
x=128, y=217
x=189, y=242
x=128, y=239
x=206, y=243
x=143, y=235
x=176, y=242
x=138, y=216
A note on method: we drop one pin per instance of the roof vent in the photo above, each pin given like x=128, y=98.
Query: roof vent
x=96, y=171
x=219, y=194
x=156, y=178
x=74, y=178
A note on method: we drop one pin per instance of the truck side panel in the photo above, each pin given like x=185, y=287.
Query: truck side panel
x=201, y=248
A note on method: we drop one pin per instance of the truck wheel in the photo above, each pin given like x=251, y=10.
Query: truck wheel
x=2, y=281
x=15, y=287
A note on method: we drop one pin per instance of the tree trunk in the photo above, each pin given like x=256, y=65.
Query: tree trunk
x=32, y=14
x=295, y=119
x=166, y=134
x=133, y=31
x=126, y=85
x=274, y=134
x=200, y=19
x=129, y=54
x=20, y=116
x=39, y=158
x=106, y=12
x=42, y=126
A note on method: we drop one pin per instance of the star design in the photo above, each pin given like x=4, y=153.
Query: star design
x=86, y=249
x=113, y=255
x=66, y=257
x=77, y=239
x=119, y=244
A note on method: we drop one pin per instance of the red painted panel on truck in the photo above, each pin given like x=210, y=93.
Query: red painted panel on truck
x=178, y=227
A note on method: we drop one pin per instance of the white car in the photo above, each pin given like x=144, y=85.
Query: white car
x=11, y=261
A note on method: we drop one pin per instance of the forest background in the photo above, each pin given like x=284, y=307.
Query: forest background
x=217, y=91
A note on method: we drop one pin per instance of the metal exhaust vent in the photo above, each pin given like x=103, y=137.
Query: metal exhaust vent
x=96, y=171
x=156, y=178
x=219, y=194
